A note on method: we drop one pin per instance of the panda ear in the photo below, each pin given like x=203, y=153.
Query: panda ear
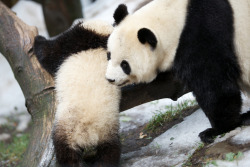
x=120, y=13
x=145, y=35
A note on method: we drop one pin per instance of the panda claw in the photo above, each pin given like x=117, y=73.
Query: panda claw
x=208, y=135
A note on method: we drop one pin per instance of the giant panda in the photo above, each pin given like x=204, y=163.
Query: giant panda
x=205, y=42
x=87, y=113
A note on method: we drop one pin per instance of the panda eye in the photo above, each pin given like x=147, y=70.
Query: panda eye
x=125, y=67
x=108, y=56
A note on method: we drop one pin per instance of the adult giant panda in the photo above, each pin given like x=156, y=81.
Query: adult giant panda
x=207, y=44
x=87, y=113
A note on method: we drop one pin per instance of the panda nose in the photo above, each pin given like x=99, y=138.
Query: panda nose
x=111, y=80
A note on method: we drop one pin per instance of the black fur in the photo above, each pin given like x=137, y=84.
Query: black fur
x=108, y=56
x=52, y=53
x=108, y=154
x=206, y=62
x=120, y=13
x=125, y=67
x=65, y=155
x=147, y=36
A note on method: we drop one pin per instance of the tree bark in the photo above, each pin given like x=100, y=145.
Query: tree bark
x=16, y=41
x=164, y=86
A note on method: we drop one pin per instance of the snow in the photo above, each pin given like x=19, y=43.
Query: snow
x=107, y=7
x=130, y=119
x=242, y=137
x=31, y=14
x=172, y=147
x=178, y=143
x=242, y=162
x=11, y=97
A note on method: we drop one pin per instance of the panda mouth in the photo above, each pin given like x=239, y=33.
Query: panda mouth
x=124, y=83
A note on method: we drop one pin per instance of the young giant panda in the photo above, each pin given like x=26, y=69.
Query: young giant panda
x=206, y=43
x=87, y=113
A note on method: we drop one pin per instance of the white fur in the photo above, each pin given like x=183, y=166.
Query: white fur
x=160, y=16
x=99, y=26
x=88, y=106
x=242, y=40
x=166, y=19
x=115, y=71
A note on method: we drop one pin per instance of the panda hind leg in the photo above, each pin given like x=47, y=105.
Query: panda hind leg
x=209, y=134
x=223, y=112
x=108, y=154
x=66, y=156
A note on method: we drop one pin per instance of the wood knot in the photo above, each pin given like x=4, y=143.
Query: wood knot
x=19, y=69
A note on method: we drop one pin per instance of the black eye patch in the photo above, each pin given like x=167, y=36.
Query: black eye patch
x=125, y=67
x=108, y=56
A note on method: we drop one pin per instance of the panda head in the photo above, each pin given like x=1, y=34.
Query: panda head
x=132, y=50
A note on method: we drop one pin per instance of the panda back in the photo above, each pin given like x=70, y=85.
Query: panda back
x=87, y=103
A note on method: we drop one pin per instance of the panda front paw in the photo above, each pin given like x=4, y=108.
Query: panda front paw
x=208, y=135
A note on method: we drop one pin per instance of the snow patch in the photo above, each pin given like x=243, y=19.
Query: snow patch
x=242, y=137
x=242, y=162
x=11, y=97
x=139, y=115
x=105, y=9
x=172, y=147
x=31, y=13
x=226, y=136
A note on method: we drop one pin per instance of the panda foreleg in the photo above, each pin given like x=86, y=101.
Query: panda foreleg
x=108, y=154
x=222, y=107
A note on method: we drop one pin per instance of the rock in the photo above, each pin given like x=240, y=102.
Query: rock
x=4, y=136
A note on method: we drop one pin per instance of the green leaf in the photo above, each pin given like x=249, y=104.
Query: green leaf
x=230, y=156
x=125, y=119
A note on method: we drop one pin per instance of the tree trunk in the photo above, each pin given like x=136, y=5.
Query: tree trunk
x=60, y=14
x=9, y=3
x=16, y=41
